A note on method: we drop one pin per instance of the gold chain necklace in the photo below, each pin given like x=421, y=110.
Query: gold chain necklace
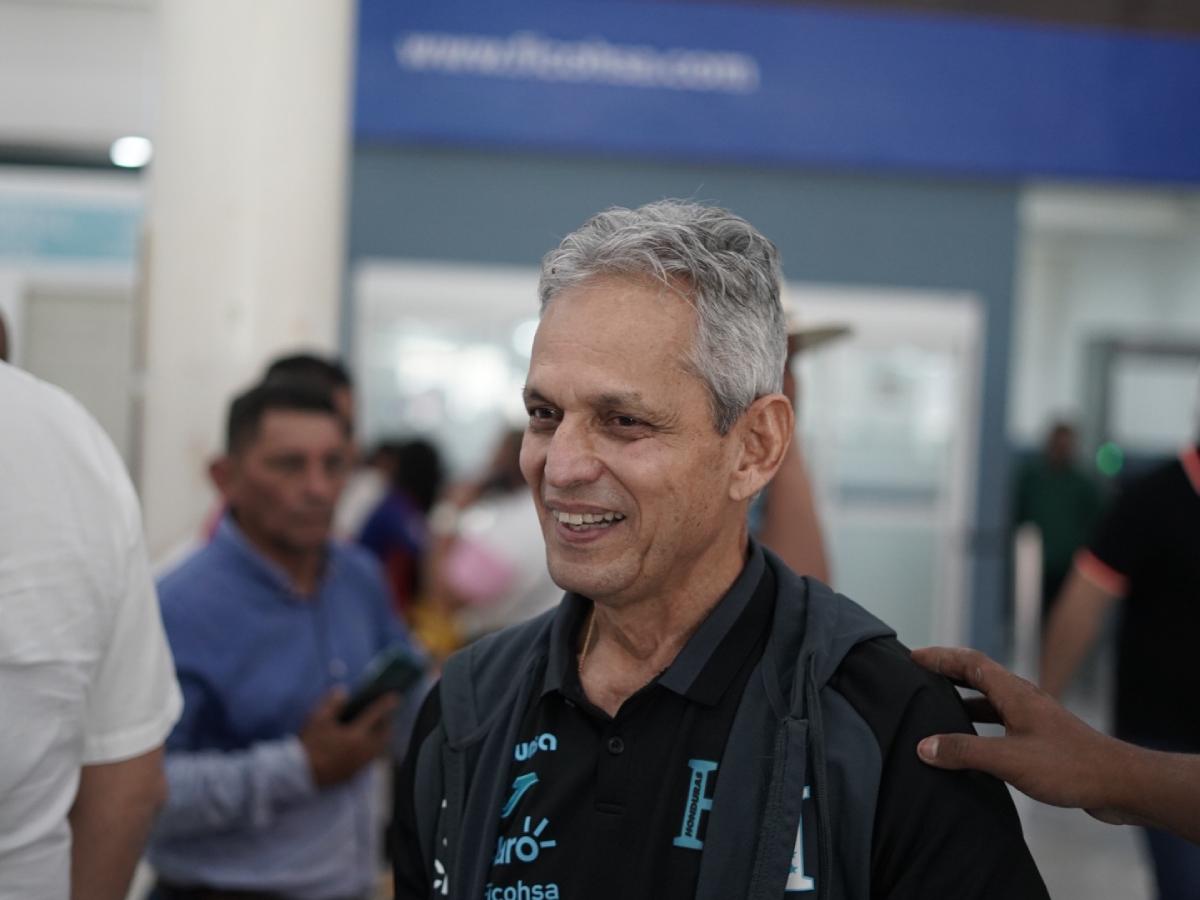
x=587, y=641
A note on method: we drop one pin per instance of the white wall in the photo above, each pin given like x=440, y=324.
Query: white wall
x=1093, y=264
x=76, y=74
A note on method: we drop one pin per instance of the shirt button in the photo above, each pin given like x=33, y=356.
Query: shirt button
x=616, y=746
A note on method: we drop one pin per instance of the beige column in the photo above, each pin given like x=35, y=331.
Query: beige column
x=245, y=227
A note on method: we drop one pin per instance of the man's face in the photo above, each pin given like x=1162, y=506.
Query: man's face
x=1060, y=448
x=283, y=485
x=620, y=431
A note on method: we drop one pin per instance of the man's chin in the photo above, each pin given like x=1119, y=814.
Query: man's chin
x=309, y=541
x=593, y=581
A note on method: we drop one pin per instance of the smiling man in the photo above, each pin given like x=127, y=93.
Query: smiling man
x=694, y=720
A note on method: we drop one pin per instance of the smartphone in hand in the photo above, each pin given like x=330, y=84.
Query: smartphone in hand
x=392, y=671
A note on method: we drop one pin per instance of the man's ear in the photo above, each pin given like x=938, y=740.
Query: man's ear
x=763, y=432
x=220, y=473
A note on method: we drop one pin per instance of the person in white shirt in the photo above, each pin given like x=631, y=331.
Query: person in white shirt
x=87, y=686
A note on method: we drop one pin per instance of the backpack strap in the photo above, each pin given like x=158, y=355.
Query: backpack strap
x=777, y=744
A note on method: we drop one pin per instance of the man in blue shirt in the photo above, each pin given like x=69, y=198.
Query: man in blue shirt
x=270, y=624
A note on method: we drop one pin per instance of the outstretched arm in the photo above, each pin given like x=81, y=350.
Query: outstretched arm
x=790, y=526
x=212, y=791
x=1074, y=624
x=1056, y=758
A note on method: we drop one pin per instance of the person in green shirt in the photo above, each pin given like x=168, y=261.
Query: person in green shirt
x=1055, y=494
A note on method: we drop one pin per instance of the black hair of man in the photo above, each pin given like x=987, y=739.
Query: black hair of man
x=247, y=410
x=308, y=368
x=419, y=471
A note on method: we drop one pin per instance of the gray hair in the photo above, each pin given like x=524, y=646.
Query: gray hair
x=725, y=268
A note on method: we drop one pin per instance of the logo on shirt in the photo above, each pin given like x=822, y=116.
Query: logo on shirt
x=521, y=891
x=797, y=880
x=525, y=847
x=441, y=881
x=521, y=784
x=697, y=804
x=526, y=750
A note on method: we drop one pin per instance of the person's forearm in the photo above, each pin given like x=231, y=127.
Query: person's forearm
x=212, y=791
x=790, y=526
x=1161, y=789
x=1071, y=631
x=110, y=818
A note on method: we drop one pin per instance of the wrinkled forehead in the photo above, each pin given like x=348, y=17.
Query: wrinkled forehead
x=616, y=346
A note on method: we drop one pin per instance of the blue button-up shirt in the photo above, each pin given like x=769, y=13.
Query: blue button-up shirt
x=253, y=659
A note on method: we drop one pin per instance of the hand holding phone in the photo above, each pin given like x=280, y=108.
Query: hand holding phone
x=339, y=750
x=393, y=671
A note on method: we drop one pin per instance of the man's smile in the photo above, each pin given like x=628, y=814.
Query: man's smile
x=585, y=521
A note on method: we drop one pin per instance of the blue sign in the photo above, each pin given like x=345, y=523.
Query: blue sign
x=780, y=86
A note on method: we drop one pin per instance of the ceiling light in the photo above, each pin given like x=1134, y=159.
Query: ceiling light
x=131, y=152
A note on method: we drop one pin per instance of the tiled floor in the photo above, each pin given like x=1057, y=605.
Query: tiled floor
x=1082, y=859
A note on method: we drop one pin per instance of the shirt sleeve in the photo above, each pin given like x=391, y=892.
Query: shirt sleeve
x=210, y=791
x=213, y=792
x=1125, y=537
x=134, y=698
x=936, y=833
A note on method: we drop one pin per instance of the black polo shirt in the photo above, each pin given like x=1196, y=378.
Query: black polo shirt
x=616, y=806
x=603, y=807
x=1147, y=551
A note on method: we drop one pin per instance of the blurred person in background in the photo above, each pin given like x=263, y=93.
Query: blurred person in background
x=270, y=623
x=1053, y=756
x=328, y=376
x=397, y=531
x=1146, y=553
x=489, y=564
x=365, y=489
x=87, y=688
x=1054, y=493
x=318, y=373
x=367, y=483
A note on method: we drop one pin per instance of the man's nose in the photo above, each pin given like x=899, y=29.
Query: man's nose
x=571, y=457
x=320, y=484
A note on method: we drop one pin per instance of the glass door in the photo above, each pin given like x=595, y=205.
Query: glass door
x=888, y=419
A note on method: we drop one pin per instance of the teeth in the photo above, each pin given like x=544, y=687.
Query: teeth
x=576, y=519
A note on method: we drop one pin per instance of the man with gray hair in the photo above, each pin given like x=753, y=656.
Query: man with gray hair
x=694, y=719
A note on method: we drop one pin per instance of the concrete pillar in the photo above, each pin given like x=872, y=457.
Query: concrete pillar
x=245, y=227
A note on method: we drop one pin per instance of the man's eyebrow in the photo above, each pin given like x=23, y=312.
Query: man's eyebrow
x=619, y=399
x=605, y=400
